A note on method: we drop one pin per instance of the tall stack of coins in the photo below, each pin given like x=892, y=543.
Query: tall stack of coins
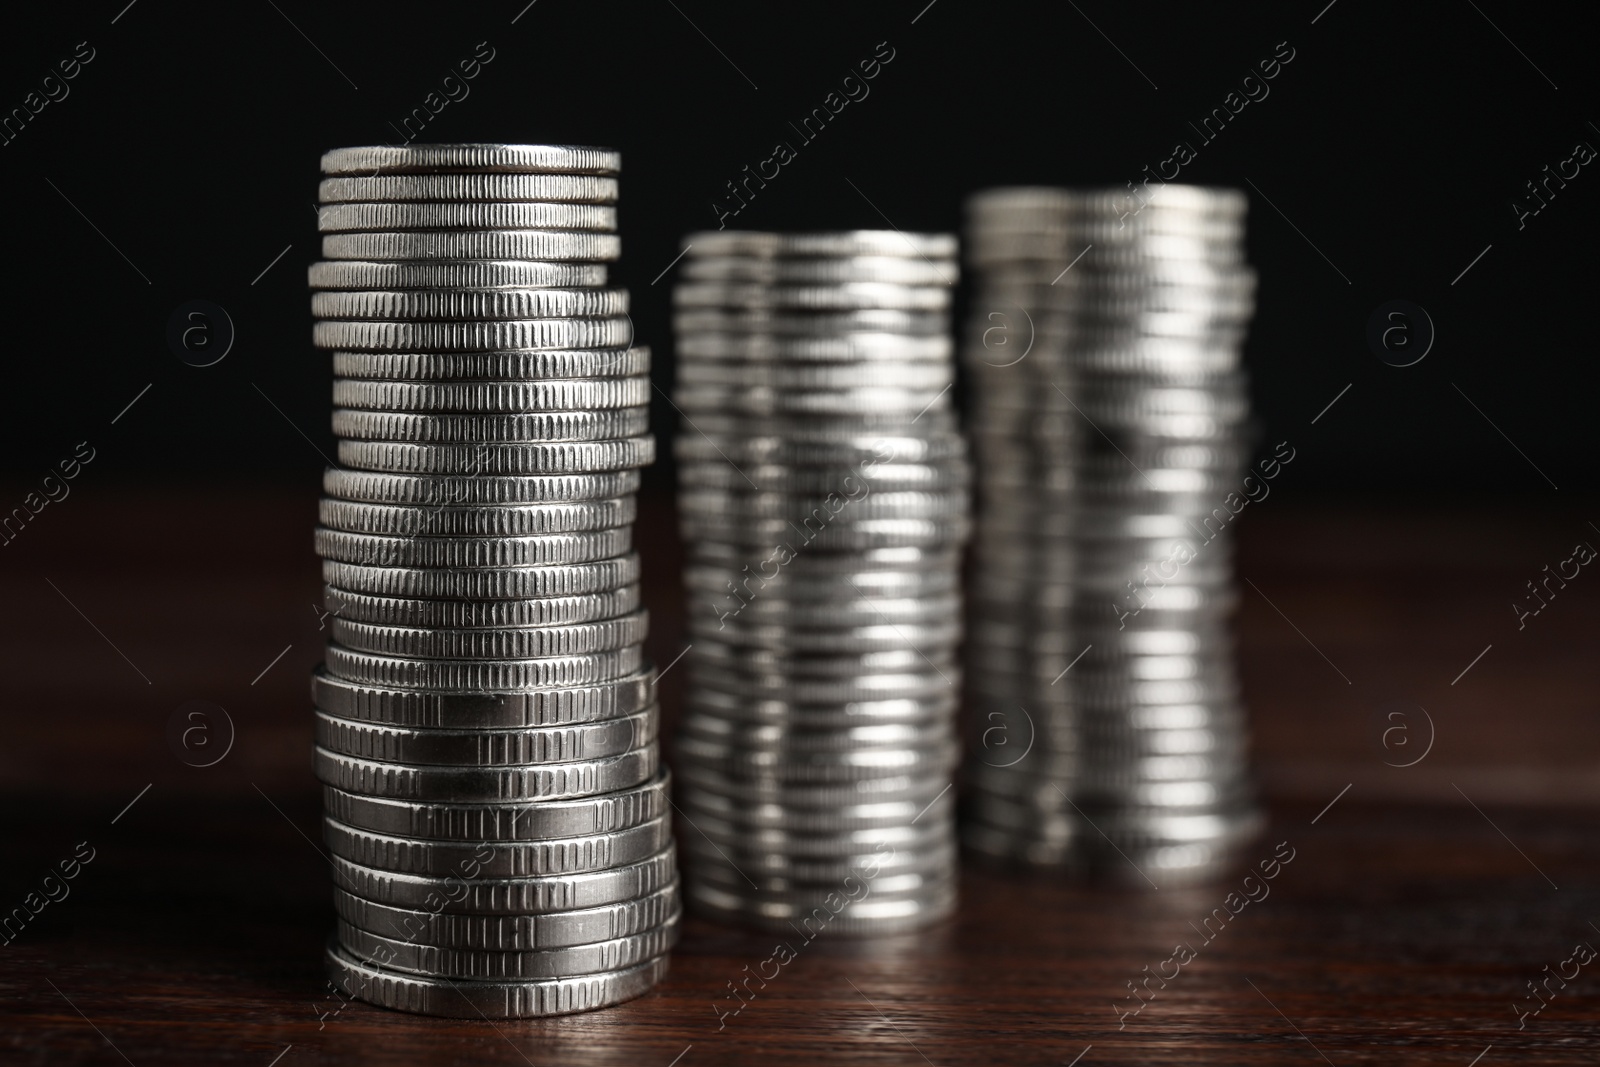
x=1112, y=463
x=824, y=505
x=486, y=719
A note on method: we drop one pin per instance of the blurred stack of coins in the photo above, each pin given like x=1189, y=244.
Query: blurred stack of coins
x=486, y=719
x=824, y=505
x=1104, y=348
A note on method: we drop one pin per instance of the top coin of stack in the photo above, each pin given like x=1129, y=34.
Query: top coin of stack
x=1103, y=604
x=486, y=722
x=824, y=504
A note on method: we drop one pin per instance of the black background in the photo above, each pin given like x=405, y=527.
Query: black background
x=1395, y=141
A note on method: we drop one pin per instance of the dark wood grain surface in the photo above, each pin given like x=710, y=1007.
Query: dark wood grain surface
x=1406, y=929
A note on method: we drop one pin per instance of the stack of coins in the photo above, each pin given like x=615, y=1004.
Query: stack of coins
x=486, y=720
x=824, y=504
x=1105, y=354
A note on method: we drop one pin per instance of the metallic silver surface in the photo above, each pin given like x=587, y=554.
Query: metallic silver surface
x=1108, y=416
x=486, y=721
x=823, y=497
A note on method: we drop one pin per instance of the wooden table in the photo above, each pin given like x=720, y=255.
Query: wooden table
x=1419, y=904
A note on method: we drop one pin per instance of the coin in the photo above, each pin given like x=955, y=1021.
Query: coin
x=510, y=933
x=474, y=614
x=814, y=297
x=732, y=243
x=471, y=158
x=486, y=748
x=493, y=397
x=559, y=246
x=492, y=366
x=567, y=332
x=557, y=188
x=376, y=487
x=491, y=999
x=484, y=520
x=449, y=304
x=455, y=895
x=460, y=429
x=344, y=218
x=494, y=675
x=467, y=785
x=492, y=583
x=833, y=270
x=593, y=958
x=528, y=821
x=466, y=709
x=464, y=274
x=496, y=643
x=565, y=457
x=376, y=550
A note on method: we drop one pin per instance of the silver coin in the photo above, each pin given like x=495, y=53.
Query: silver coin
x=767, y=619
x=722, y=504
x=476, y=304
x=877, y=635
x=813, y=767
x=819, y=443
x=556, y=457
x=478, y=710
x=357, y=217
x=770, y=864
x=832, y=270
x=780, y=323
x=874, y=916
x=467, y=785
x=484, y=336
x=510, y=933
x=489, y=675
x=713, y=244
x=838, y=297
x=424, y=490
x=555, y=188
x=845, y=482
x=913, y=685
x=836, y=537
x=721, y=653
x=475, y=999
x=455, y=895
x=797, y=738
x=882, y=375
x=374, y=550
x=559, y=246
x=494, y=366
x=479, y=274
x=768, y=347
x=539, y=820
x=813, y=795
x=857, y=713
x=506, y=583
x=483, y=520
x=433, y=961
x=740, y=813
x=497, y=859
x=760, y=400
x=779, y=886
x=932, y=832
x=492, y=397
x=487, y=748
x=472, y=158
x=467, y=429
x=530, y=642
x=474, y=614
